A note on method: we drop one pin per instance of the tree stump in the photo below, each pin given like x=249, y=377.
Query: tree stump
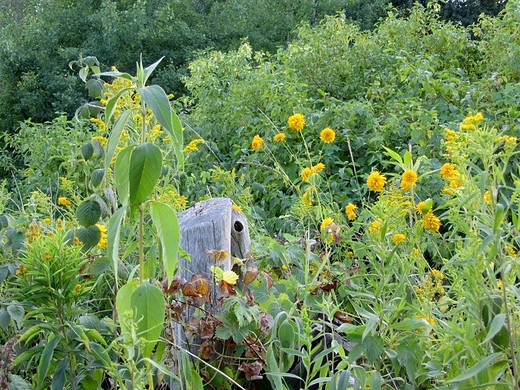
x=209, y=226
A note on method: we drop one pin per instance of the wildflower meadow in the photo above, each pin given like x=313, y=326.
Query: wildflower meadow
x=378, y=172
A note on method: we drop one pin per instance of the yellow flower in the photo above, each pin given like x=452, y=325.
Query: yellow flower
x=325, y=223
x=431, y=222
x=236, y=208
x=478, y=117
x=448, y=170
x=47, y=221
x=230, y=277
x=102, y=140
x=327, y=135
x=77, y=288
x=350, y=211
x=305, y=173
x=450, y=135
x=64, y=201
x=376, y=181
x=408, y=179
x=318, y=168
x=296, y=122
x=398, y=238
x=437, y=274
x=374, y=227
x=487, y=197
x=279, y=137
x=510, y=250
x=257, y=142
x=192, y=146
x=429, y=320
x=420, y=206
x=103, y=243
x=350, y=254
x=305, y=198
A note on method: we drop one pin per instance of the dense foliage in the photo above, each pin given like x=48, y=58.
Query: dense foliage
x=378, y=171
x=39, y=38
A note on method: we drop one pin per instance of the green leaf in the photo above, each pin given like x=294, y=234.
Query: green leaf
x=58, y=377
x=148, y=303
x=145, y=170
x=5, y=318
x=89, y=237
x=122, y=174
x=168, y=233
x=149, y=69
x=394, y=155
x=374, y=347
x=101, y=354
x=113, y=234
x=155, y=98
x=96, y=177
x=46, y=360
x=87, y=150
x=123, y=301
x=112, y=104
x=16, y=312
x=115, y=135
x=18, y=383
x=474, y=370
x=498, y=322
x=88, y=213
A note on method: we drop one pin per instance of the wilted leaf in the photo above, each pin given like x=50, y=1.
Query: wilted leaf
x=250, y=275
x=252, y=370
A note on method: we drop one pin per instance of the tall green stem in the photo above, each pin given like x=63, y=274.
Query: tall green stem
x=141, y=244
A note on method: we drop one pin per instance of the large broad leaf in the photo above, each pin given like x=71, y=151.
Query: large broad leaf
x=145, y=170
x=114, y=231
x=88, y=213
x=122, y=174
x=89, y=237
x=124, y=303
x=155, y=98
x=167, y=226
x=148, y=302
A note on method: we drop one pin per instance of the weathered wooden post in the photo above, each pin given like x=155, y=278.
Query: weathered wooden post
x=212, y=225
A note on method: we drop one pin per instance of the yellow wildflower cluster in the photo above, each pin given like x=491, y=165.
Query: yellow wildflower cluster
x=33, y=233
x=350, y=210
x=22, y=270
x=375, y=228
x=510, y=250
x=155, y=132
x=257, y=143
x=64, y=201
x=470, y=122
x=103, y=242
x=100, y=124
x=509, y=142
x=431, y=287
x=178, y=202
x=296, y=122
x=102, y=140
x=192, y=146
